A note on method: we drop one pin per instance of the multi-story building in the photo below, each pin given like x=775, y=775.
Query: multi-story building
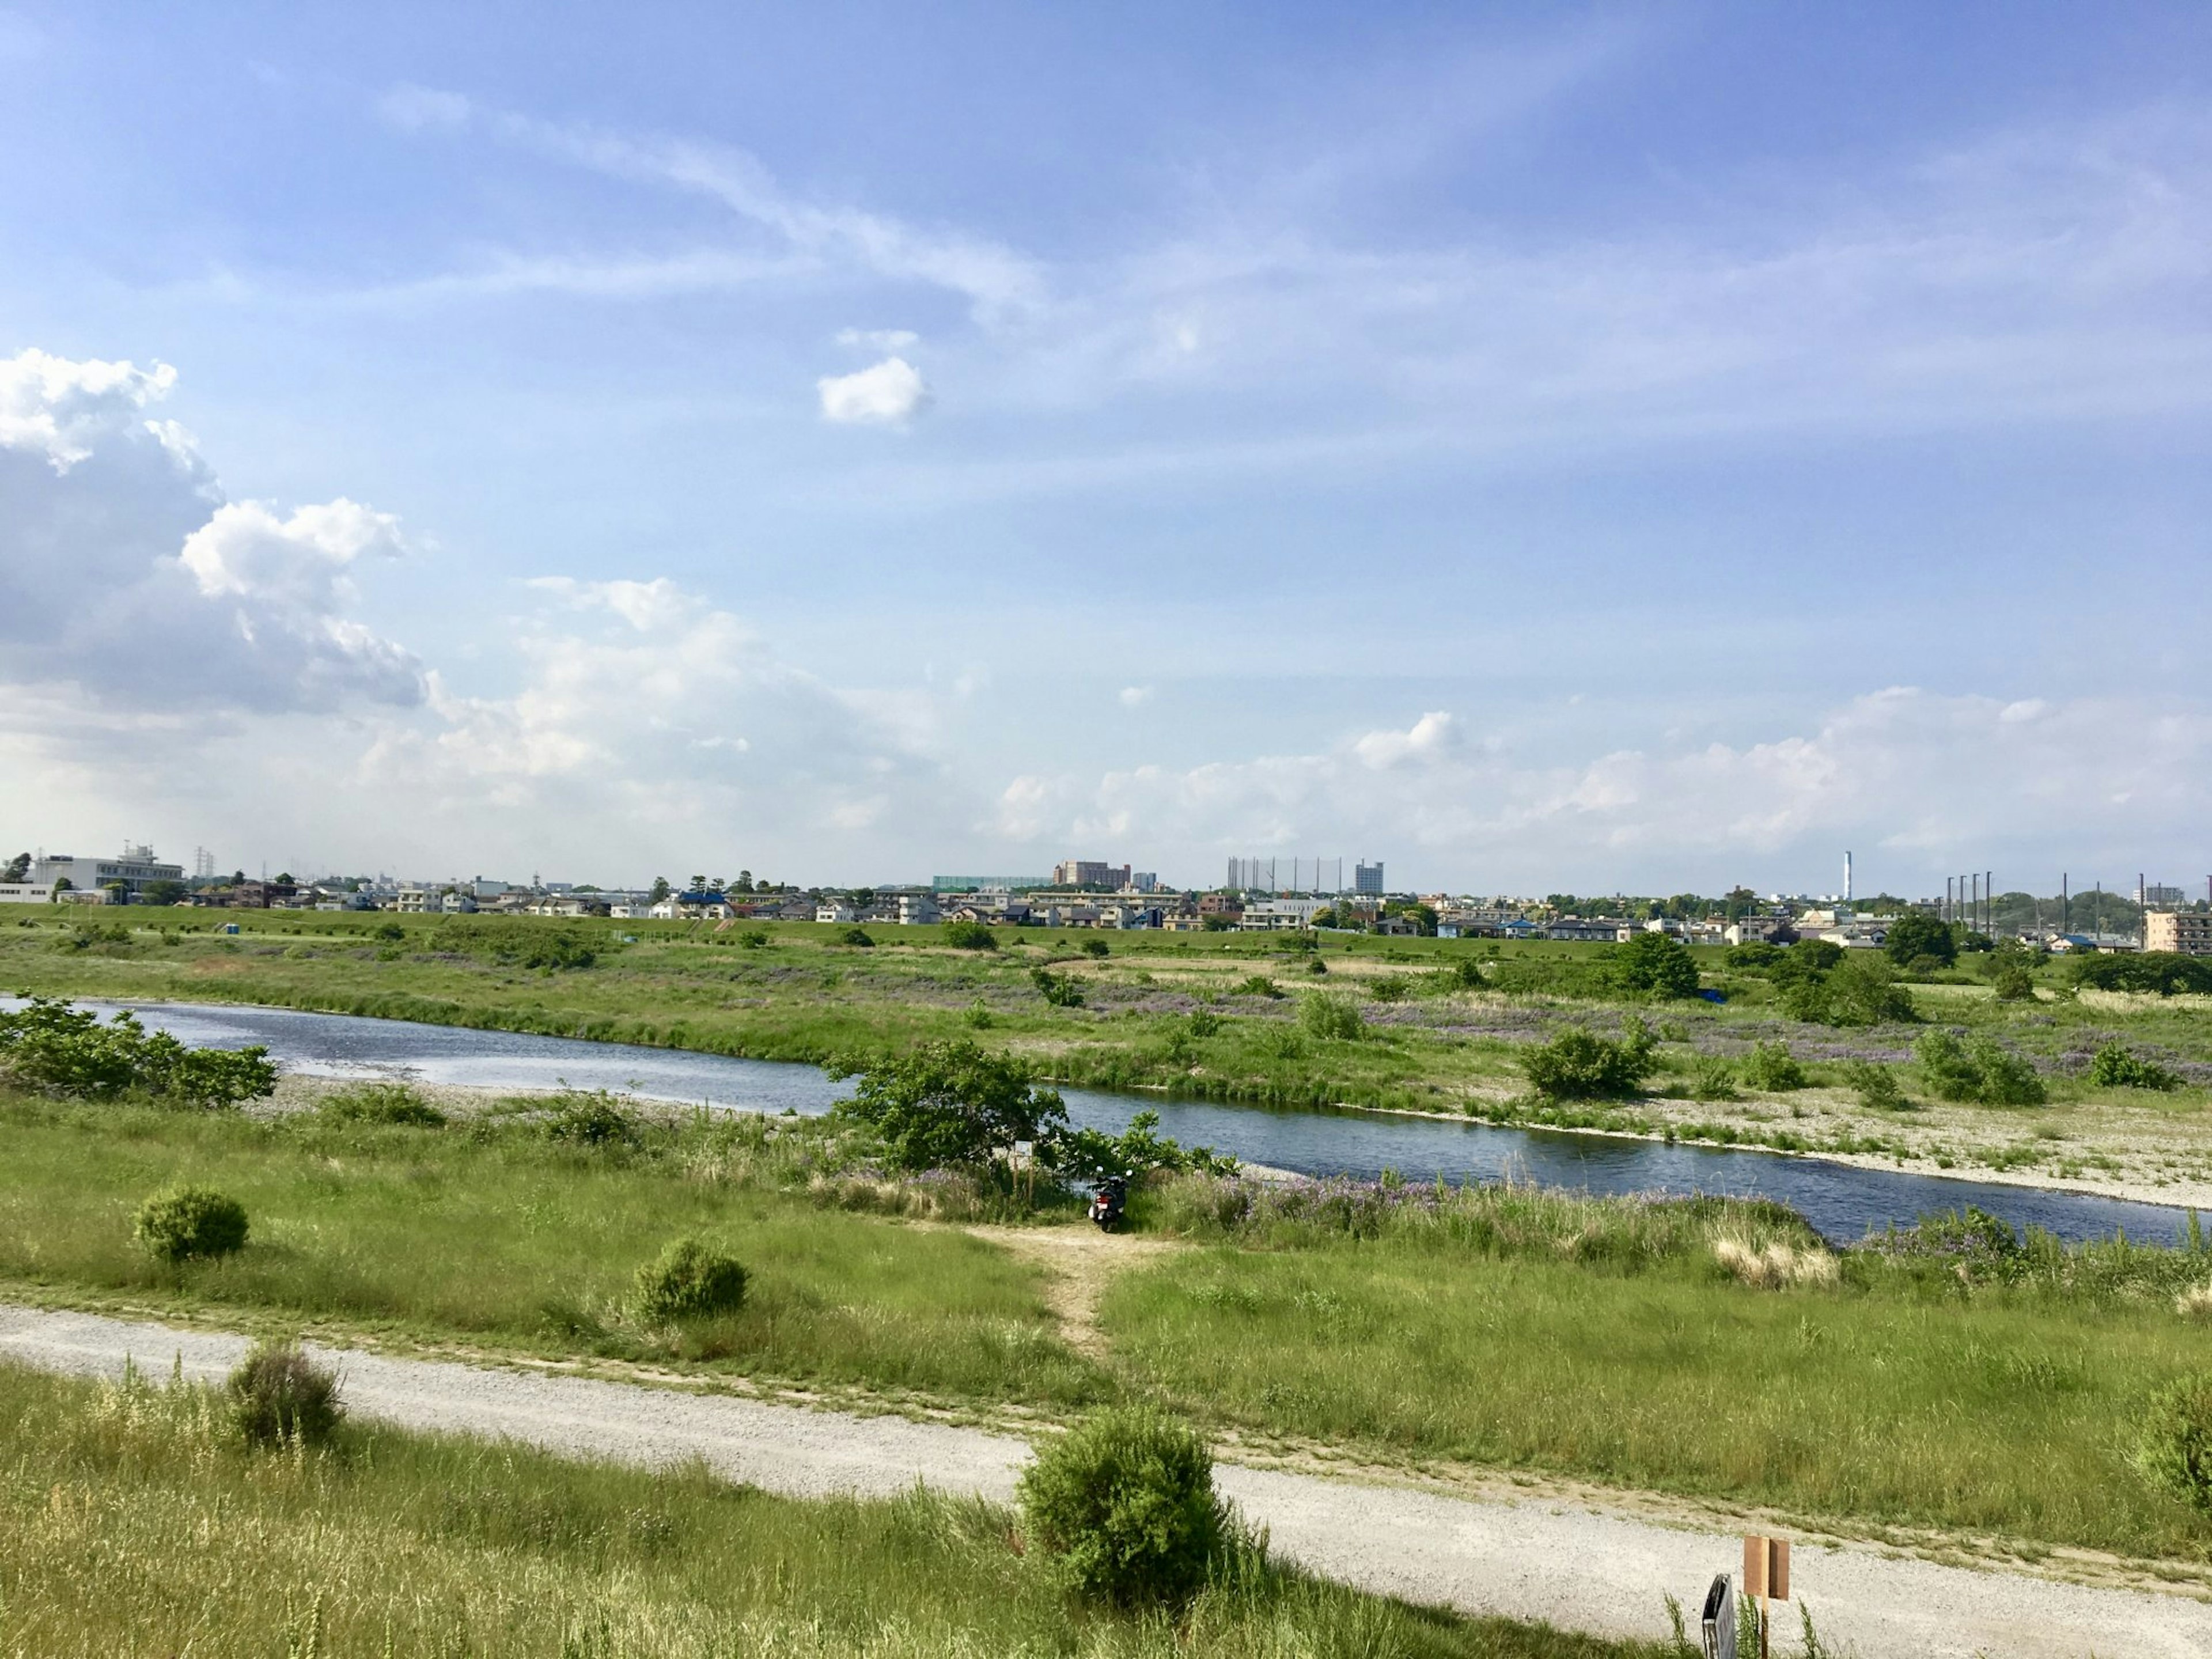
x=2186, y=932
x=1368, y=877
x=1090, y=873
x=132, y=871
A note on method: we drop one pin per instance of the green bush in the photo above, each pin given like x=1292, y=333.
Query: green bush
x=970, y=936
x=277, y=1393
x=1124, y=1504
x=1316, y=965
x=1257, y=984
x=950, y=1105
x=1205, y=1023
x=2161, y=972
x=687, y=1280
x=47, y=1044
x=1579, y=1065
x=1771, y=1067
x=1097, y=947
x=2014, y=983
x=1061, y=990
x=516, y=941
x=1859, y=988
x=181, y=1222
x=1917, y=934
x=1333, y=1019
x=1711, y=1078
x=593, y=1120
x=1390, y=987
x=1878, y=1088
x=2116, y=1067
x=857, y=936
x=2175, y=1451
x=382, y=1103
x=1984, y=1071
x=1654, y=965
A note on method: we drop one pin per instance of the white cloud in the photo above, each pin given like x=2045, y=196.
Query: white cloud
x=59, y=409
x=124, y=575
x=1135, y=696
x=889, y=393
x=418, y=109
x=879, y=339
x=1914, y=781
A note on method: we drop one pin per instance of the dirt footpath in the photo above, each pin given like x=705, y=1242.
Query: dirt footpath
x=1580, y=1567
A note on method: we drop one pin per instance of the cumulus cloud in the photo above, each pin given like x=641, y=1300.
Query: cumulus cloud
x=891, y=393
x=125, y=574
x=879, y=339
x=1135, y=696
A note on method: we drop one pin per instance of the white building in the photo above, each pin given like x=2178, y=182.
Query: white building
x=26, y=892
x=917, y=909
x=1277, y=916
x=833, y=910
x=134, y=868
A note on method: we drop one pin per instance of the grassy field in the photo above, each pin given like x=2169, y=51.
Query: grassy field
x=131, y=1523
x=1593, y=1338
x=504, y=1238
x=1428, y=1040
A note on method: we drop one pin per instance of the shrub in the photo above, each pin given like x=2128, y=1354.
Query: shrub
x=2014, y=983
x=1654, y=965
x=2162, y=972
x=1257, y=984
x=2175, y=1451
x=1390, y=987
x=1088, y=1154
x=593, y=1120
x=278, y=1394
x=1917, y=934
x=1579, y=1065
x=1984, y=1072
x=516, y=941
x=1097, y=947
x=47, y=1044
x=1877, y=1085
x=753, y=939
x=856, y=936
x=382, y=1102
x=950, y=1105
x=1771, y=1067
x=971, y=936
x=1333, y=1019
x=1061, y=990
x=1205, y=1023
x=977, y=1017
x=687, y=1280
x=181, y=1222
x=1711, y=1078
x=1124, y=1504
x=2116, y=1067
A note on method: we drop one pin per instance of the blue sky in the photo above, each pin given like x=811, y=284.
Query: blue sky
x=1576, y=447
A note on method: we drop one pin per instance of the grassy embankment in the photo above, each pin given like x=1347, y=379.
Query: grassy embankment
x=1428, y=1040
x=130, y=1522
x=1591, y=1338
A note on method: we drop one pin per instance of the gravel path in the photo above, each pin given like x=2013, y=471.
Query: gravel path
x=1578, y=1567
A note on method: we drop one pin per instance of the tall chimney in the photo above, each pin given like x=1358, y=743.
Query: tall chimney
x=1847, y=878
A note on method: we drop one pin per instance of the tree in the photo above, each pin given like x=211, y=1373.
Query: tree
x=660, y=889
x=1654, y=965
x=19, y=868
x=1916, y=934
x=163, y=892
x=950, y=1105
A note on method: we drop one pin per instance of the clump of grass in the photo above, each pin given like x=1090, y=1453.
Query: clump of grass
x=592, y=1119
x=1124, y=1506
x=1332, y=1019
x=688, y=1280
x=183, y=1223
x=1775, y=1265
x=2175, y=1451
x=2195, y=1302
x=382, y=1103
x=1771, y=1067
x=278, y=1395
x=1258, y=985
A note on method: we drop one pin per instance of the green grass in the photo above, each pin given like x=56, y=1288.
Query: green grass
x=500, y=1238
x=132, y=1523
x=1529, y=1331
x=1596, y=1339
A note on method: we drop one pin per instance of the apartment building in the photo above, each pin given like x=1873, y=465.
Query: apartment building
x=2184, y=932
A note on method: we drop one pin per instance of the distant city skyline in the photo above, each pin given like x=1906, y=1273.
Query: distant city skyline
x=1629, y=446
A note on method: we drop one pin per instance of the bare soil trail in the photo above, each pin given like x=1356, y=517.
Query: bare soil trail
x=1079, y=1263
x=1579, y=1565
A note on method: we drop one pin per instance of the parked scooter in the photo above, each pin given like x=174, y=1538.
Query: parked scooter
x=1108, y=1200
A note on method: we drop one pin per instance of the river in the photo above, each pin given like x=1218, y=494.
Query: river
x=1842, y=1201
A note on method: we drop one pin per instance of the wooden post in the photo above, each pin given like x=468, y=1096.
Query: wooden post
x=1766, y=1576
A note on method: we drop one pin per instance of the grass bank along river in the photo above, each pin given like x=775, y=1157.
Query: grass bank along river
x=1842, y=1201
x=1947, y=1380
x=1439, y=1022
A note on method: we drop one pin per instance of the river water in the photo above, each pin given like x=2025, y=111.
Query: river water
x=1841, y=1201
